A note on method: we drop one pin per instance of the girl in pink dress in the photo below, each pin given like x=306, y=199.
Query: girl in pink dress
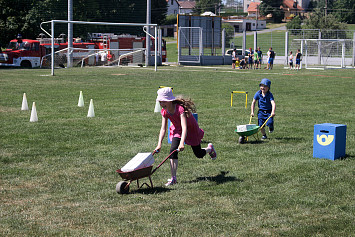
x=183, y=130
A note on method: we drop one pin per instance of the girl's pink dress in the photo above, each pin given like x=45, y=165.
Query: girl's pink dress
x=194, y=132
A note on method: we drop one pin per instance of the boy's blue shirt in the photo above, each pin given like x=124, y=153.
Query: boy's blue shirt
x=264, y=103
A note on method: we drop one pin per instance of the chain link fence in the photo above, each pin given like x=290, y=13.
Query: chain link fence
x=277, y=39
x=282, y=43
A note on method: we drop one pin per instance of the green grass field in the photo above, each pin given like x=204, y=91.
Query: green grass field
x=58, y=174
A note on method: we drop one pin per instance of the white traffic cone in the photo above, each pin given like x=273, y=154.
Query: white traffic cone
x=81, y=100
x=24, y=102
x=34, y=117
x=157, y=108
x=91, y=112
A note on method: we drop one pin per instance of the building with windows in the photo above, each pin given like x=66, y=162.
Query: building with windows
x=245, y=24
x=173, y=7
x=186, y=7
x=295, y=7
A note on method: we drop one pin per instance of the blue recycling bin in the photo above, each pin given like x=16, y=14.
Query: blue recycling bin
x=329, y=141
x=193, y=114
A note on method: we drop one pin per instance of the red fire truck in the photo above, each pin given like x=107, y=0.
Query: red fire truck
x=32, y=53
x=124, y=44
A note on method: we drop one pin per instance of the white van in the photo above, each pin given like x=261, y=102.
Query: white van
x=239, y=53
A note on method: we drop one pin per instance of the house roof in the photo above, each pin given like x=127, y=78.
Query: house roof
x=286, y=4
x=187, y=4
x=289, y=4
x=253, y=6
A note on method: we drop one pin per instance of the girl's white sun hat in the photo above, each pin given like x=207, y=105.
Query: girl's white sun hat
x=165, y=94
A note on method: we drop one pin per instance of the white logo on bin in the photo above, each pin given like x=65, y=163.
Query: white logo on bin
x=327, y=139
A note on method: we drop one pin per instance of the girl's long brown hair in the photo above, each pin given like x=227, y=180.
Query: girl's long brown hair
x=187, y=104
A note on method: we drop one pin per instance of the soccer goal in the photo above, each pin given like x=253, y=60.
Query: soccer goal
x=325, y=53
x=116, y=48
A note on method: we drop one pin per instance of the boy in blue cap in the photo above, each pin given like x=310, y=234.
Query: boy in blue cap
x=266, y=106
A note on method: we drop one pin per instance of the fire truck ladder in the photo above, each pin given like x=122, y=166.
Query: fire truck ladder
x=105, y=42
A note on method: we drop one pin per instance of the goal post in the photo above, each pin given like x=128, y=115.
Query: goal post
x=144, y=25
x=325, y=53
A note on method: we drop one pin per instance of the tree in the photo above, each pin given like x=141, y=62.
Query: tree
x=272, y=7
x=170, y=20
x=295, y=23
x=159, y=10
x=13, y=19
x=25, y=16
x=344, y=11
x=318, y=20
x=207, y=5
x=229, y=33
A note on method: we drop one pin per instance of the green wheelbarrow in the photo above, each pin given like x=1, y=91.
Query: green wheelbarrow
x=245, y=131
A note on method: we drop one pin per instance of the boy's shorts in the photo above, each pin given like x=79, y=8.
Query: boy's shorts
x=271, y=61
x=298, y=61
x=263, y=115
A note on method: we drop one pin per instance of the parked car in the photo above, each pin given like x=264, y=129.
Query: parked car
x=239, y=53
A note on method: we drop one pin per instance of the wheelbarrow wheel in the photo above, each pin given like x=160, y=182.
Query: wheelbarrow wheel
x=241, y=140
x=121, y=187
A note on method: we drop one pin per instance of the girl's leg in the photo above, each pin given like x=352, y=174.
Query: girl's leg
x=175, y=142
x=199, y=152
x=173, y=161
x=173, y=167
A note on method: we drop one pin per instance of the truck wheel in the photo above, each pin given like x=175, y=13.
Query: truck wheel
x=26, y=64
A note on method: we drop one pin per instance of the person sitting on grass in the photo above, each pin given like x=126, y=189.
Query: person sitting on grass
x=242, y=64
x=267, y=106
x=237, y=64
x=184, y=129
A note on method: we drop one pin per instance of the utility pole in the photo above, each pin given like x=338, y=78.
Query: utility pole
x=147, y=36
x=70, y=34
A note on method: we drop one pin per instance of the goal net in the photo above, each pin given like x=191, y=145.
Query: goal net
x=80, y=57
x=324, y=53
x=124, y=45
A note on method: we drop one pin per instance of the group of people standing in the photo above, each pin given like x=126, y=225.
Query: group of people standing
x=255, y=59
x=298, y=60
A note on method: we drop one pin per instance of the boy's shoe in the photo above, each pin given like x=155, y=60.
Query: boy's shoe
x=171, y=181
x=212, y=153
x=271, y=129
x=263, y=137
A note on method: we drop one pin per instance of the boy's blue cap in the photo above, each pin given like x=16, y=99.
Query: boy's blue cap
x=265, y=82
